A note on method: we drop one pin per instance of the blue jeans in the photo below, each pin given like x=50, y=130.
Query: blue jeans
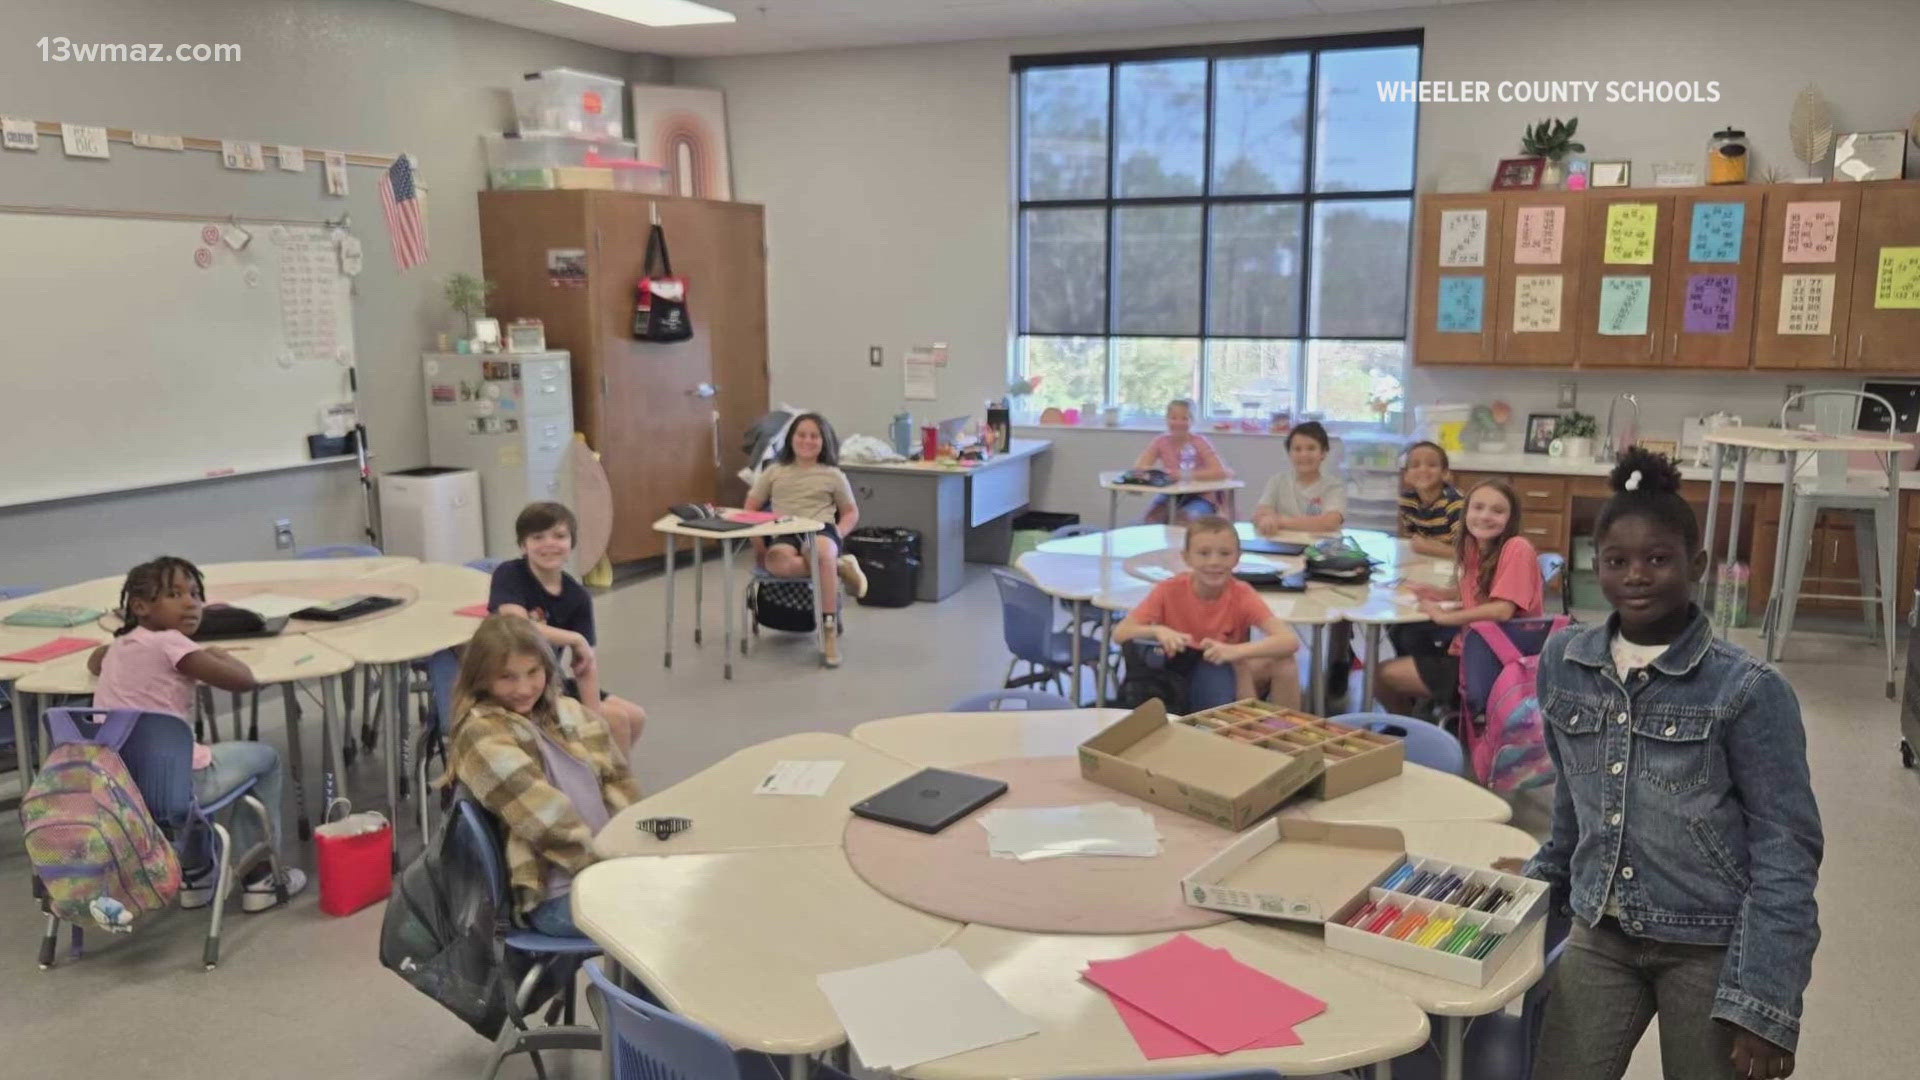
x=234, y=763
x=554, y=917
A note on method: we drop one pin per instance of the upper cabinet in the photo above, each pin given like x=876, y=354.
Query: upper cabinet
x=1541, y=267
x=1459, y=262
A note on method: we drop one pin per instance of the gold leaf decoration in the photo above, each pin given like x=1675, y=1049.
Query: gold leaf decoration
x=1810, y=129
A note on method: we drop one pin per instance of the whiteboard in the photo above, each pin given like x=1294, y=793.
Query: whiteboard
x=124, y=363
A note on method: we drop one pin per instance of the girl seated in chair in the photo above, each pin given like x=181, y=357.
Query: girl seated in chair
x=807, y=482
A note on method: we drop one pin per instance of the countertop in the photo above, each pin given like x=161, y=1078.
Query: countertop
x=1022, y=448
x=1544, y=465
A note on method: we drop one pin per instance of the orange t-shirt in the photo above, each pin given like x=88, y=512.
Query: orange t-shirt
x=1227, y=618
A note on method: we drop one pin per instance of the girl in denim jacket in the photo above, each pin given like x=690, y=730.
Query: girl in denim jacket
x=1685, y=834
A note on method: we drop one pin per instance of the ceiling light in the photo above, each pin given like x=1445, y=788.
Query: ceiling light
x=655, y=12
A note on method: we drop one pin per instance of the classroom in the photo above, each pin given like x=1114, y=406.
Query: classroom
x=959, y=539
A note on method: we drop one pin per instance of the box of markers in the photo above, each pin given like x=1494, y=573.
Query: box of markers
x=1353, y=757
x=1451, y=920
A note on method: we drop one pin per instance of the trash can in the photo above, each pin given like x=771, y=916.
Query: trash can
x=890, y=558
x=1032, y=528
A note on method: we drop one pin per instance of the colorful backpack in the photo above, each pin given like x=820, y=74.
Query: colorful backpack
x=95, y=848
x=1506, y=737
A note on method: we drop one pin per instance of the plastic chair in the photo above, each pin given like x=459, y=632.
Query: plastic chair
x=642, y=1041
x=443, y=670
x=340, y=551
x=1210, y=686
x=1498, y=1046
x=1010, y=700
x=15, y=592
x=1552, y=564
x=1427, y=744
x=476, y=838
x=1026, y=622
x=485, y=566
x=158, y=752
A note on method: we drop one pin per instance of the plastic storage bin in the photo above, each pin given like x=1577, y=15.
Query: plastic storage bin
x=562, y=101
x=528, y=163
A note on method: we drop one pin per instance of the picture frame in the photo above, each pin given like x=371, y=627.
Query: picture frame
x=1676, y=174
x=1610, y=174
x=1540, y=429
x=1518, y=174
x=1862, y=156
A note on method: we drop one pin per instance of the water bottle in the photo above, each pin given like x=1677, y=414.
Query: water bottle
x=903, y=434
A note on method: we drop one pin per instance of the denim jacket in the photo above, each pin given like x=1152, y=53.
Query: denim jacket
x=1687, y=795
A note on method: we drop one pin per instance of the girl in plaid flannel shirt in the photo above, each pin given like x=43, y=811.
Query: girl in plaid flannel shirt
x=545, y=765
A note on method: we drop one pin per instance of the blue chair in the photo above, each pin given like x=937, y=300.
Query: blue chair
x=1014, y=700
x=443, y=670
x=1427, y=744
x=475, y=838
x=158, y=752
x=1026, y=622
x=485, y=566
x=1551, y=566
x=340, y=551
x=15, y=592
x=1211, y=686
x=1498, y=1046
x=642, y=1041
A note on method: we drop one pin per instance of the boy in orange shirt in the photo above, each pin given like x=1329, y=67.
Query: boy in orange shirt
x=1211, y=612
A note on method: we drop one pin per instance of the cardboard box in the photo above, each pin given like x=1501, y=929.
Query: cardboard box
x=1310, y=871
x=1353, y=757
x=1227, y=782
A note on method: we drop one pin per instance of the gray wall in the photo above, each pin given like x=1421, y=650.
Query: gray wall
x=366, y=75
x=886, y=172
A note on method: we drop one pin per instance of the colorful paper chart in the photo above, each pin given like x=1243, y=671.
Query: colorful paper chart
x=1536, y=303
x=1812, y=233
x=1630, y=229
x=1623, y=305
x=1462, y=304
x=1463, y=238
x=1538, y=235
x=1806, y=304
x=1898, y=283
x=1716, y=233
x=1710, y=301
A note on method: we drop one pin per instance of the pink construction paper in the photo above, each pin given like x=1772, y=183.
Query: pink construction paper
x=58, y=647
x=1156, y=1040
x=478, y=611
x=751, y=517
x=1205, y=994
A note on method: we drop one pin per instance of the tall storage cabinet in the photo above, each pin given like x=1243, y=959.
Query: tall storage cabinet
x=572, y=259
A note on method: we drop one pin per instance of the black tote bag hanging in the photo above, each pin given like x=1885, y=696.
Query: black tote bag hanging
x=660, y=310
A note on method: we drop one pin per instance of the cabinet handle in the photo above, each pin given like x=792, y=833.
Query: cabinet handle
x=1860, y=346
x=1673, y=349
x=1539, y=494
x=1833, y=347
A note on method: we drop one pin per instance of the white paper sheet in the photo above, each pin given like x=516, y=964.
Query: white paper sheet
x=920, y=374
x=274, y=605
x=800, y=778
x=1051, y=832
x=905, y=1012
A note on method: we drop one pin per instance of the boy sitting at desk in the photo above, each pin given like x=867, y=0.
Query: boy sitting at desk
x=1206, y=614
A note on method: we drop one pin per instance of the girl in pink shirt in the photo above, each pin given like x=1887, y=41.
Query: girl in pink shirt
x=1185, y=456
x=1497, y=577
x=154, y=665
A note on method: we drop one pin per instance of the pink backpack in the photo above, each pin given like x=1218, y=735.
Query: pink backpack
x=1501, y=723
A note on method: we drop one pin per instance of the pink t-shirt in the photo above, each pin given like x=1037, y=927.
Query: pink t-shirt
x=1174, y=456
x=141, y=671
x=1516, y=578
x=1228, y=618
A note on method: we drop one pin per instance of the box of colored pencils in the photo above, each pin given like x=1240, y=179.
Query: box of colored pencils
x=1452, y=920
x=1354, y=757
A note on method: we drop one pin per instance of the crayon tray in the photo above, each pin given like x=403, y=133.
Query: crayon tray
x=1354, y=757
x=1459, y=952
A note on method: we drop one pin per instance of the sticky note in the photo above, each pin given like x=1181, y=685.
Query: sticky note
x=1716, y=232
x=1630, y=229
x=1463, y=238
x=1898, y=284
x=1812, y=232
x=1538, y=235
x=1623, y=305
x=1462, y=301
x=1536, y=303
x=1710, y=300
x=1806, y=304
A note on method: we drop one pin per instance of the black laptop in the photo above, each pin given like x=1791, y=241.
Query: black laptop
x=716, y=524
x=347, y=607
x=1260, y=545
x=930, y=800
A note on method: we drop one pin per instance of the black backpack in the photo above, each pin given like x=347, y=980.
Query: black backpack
x=1151, y=673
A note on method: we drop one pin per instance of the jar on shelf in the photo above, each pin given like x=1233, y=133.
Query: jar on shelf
x=1727, y=157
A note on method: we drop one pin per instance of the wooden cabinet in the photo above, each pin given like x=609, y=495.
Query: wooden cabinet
x=1781, y=282
x=1883, y=338
x=1709, y=314
x=1544, y=513
x=642, y=406
x=1456, y=302
x=1548, y=220
x=1623, y=305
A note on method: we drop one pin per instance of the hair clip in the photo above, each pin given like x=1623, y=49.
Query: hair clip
x=664, y=828
x=1633, y=481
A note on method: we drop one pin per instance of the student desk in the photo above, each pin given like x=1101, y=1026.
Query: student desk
x=962, y=512
x=670, y=527
x=1111, y=482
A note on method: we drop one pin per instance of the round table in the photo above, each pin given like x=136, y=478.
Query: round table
x=1111, y=482
x=733, y=920
x=671, y=526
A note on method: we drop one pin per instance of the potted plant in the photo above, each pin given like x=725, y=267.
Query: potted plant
x=1552, y=140
x=1575, y=433
x=467, y=296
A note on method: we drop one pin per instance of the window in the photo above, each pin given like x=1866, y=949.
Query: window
x=1229, y=224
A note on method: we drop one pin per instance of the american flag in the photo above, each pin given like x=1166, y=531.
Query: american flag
x=401, y=201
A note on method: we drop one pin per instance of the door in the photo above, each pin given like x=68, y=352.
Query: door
x=1458, y=279
x=1806, y=267
x=738, y=306
x=1885, y=320
x=1541, y=251
x=1715, y=257
x=1623, y=290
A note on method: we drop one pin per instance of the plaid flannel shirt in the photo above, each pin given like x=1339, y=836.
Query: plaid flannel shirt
x=496, y=754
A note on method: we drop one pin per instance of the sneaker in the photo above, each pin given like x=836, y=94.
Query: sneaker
x=855, y=577
x=259, y=895
x=830, y=642
x=197, y=888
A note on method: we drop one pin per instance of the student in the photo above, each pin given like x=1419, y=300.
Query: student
x=1685, y=833
x=152, y=664
x=1498, y=578
x=545, y=766
x=1185, y=456
x=807, y=482
x=1303, y=498
x=1430, y=506
x=537, y=586
x=1208, y=614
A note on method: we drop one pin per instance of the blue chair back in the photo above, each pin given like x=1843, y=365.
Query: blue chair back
x=1014, y=700
x=1551, y=563
x=1427, y=744
x=156, y=747
x=476, y=838
x=443, y=670
x=15, y=592
x=341, y=551
x=642, y=1041
x=1211, y=685
x=1026, y=617
x=1479, y=667
x=485, y=566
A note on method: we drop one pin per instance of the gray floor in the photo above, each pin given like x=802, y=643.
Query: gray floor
x=300, y=994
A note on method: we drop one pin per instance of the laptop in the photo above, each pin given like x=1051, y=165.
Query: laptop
x=930, y=800
x=1260, y=545
x=347, y=607
x=717, y=524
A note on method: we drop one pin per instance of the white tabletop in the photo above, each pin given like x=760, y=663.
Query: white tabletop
x=283, y=659
x=734, y=940
x=412, y=633
x=1021, y=450
x=18, y=638
x=440, y=583
x=1111, y=481
x=787, y=526
x=1417, y=794
x=728, y=816
x=1760, y=438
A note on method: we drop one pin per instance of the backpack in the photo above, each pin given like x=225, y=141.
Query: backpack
x=1507, y=741
x=97, y=852
x=782, y=604
x=1151, y=674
